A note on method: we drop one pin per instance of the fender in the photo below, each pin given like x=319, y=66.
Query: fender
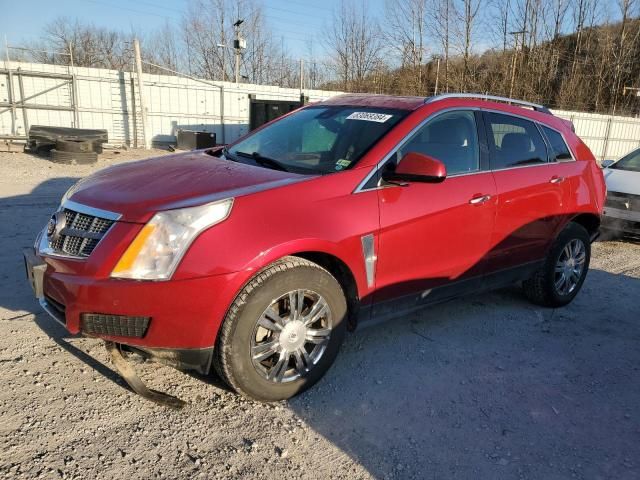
x=316, y=245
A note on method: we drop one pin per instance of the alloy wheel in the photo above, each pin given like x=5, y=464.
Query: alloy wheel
x=291, y=336
x=569, y=267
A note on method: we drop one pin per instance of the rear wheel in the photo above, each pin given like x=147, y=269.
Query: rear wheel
x=561, y=276
x=283, y=331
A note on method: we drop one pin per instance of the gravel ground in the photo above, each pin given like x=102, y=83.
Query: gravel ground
x=487, y=387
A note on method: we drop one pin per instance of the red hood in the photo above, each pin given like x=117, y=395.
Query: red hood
x=139, y=189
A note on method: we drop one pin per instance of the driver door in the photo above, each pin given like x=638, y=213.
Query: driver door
x=434, y=237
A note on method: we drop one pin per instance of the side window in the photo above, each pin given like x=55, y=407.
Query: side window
x=559, y=149
x=514, y=141
x=452, y=138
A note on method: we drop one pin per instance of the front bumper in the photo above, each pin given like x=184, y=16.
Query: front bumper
x=184, y=315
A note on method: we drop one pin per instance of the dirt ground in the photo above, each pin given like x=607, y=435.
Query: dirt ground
x=489, y=387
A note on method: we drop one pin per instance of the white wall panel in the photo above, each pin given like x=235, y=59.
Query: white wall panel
x=106, y=100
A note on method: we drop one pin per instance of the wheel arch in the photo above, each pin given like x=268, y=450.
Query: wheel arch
x=343, y=274
x=590, y=222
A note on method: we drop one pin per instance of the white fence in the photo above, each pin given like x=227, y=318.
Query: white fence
x=608, y=136
x=42, y=94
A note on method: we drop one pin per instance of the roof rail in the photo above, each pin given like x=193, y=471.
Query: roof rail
x=481, y=96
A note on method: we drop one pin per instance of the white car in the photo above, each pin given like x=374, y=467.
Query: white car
x=622, y=208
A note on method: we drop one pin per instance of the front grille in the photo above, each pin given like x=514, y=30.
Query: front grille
x=80, y=234
x=623, y=201
x=114, y=325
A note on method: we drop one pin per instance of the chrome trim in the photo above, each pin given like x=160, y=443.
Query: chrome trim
x=516, y=167
x=480, y=200
x=481, y=96
x=564, y=139
x=87, y=210
x=53, y=313
x=374, y=170
x=404, y=140
x=369, y=253
x=43, y=248
x=539, y=125
x=42, y=242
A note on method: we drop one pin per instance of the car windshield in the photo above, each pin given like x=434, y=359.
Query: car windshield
x=321, y=139
x=629, y=162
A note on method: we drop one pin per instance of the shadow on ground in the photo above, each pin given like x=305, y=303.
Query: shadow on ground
x=486, y=387
x=492, y=387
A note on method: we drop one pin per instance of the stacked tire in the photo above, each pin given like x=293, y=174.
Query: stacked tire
x=80, y=152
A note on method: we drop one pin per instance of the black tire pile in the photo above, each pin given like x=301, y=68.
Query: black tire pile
x=81, y=152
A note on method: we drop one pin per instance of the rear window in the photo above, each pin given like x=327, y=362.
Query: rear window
x=514, y=141
x=559, y=149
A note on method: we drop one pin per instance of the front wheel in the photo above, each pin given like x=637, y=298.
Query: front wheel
x=561, y=276
x=282, y=332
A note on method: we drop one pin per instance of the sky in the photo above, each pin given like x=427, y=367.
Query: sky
x=296, y=21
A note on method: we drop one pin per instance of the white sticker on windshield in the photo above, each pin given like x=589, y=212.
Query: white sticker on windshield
x=370, y=116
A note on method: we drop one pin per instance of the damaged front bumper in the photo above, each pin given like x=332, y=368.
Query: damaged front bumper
x=197, y=359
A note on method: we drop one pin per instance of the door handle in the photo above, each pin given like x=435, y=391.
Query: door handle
x=556, y=179
x=479, y=200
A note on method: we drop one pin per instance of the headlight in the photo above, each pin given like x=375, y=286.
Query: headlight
x=158, y=248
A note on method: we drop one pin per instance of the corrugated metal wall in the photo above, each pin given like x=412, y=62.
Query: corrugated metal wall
x=608, y=137
x=108, y=98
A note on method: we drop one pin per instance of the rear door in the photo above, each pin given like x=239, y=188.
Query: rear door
x=434, y=237
x=532, y=192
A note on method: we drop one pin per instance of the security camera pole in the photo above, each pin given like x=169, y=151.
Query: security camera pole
x=238, y=45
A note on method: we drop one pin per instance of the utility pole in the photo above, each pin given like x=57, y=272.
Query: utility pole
x=146, y=134
x=301, y=75
x=438, y=57
x=6, y=51
x=238, y=44
x=515, y=59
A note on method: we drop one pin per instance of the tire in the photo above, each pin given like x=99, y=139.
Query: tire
x=81, y=158
x=76, y=146
x=240, y=334
x=545, y=287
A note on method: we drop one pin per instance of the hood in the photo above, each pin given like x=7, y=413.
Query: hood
x=137, y=190
x=623, y=181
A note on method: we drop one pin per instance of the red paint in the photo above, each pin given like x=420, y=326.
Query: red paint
x=426, y=234
x=414, y=163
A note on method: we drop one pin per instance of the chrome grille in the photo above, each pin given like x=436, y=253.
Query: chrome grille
x=80, y=234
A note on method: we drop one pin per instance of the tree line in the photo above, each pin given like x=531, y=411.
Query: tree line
x=572, y=54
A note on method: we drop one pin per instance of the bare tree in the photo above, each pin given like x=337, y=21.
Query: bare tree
x=440, y=20
x=354, y=44
x=406, y=35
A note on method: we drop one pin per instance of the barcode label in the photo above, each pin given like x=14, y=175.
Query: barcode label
x=369, y=116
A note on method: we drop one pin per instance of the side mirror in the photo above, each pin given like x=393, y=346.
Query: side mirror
x=417, y=167
x=607, y=163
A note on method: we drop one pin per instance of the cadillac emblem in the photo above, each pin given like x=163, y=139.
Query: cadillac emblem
x=56, y=224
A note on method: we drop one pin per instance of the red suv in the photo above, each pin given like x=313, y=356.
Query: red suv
x=255, y=258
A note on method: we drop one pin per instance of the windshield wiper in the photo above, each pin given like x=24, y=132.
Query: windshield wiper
x=228, y=155
x=264, y=161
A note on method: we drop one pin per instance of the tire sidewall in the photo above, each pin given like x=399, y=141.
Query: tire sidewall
x=239, y=359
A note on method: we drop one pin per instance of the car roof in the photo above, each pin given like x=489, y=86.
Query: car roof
x=380, y=101
x=411, y=103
